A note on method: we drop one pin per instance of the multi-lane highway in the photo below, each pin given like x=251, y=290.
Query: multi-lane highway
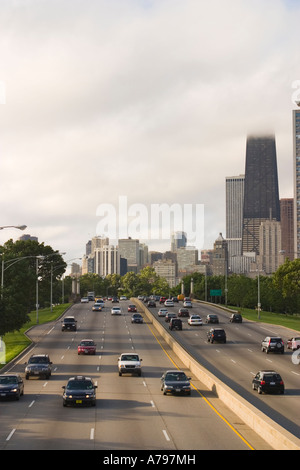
x=131, y=412
x=237, y=361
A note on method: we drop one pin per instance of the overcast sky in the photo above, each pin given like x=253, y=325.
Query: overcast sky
x=151, y=100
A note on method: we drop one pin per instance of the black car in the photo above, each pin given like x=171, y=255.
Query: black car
x=79, y=391
x=175, y=324
x=175, y=381
x=216, y=334
x=68, y=324
x=11, y=386
x=137, y=318
x=236, y=318
x=151, y=303
x=272, y=344
x=212, y=318
x=39, y=365
x=268, y=381
x=169, y=316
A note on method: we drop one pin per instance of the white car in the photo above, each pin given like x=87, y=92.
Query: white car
x=84, y=300
x=187, y=304
x=195, y=320
x=169, y=303
x=116, y=311
x=129, y=363
x=162, y=312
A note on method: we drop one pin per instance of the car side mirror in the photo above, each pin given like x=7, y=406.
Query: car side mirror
x=63, y=387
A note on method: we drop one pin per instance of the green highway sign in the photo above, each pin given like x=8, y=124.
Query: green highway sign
x=215, y=292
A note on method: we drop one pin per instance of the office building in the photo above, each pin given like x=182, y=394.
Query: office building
x=234, y=213
x=261, y=193
x=287, y=227
x=296, y=161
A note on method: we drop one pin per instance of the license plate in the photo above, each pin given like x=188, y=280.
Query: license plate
x=272, y=383
x=3, y=394
x=78, y=401
x=178, y=390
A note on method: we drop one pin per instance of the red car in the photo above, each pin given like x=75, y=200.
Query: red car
x=87, y=346
x=132, y=308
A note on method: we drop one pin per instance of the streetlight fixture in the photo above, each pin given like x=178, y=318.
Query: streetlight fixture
x=19, y=227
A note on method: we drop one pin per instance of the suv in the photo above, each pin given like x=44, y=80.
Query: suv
x=272, y=344
x=68, y=323
x=175, y=324
x=38, y=365
x=79, y=391
x=216, y=334
x=129, y=363
x=268, y=381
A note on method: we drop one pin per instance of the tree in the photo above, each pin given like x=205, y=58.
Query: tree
x=24, y=262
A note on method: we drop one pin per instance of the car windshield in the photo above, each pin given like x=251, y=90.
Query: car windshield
x=130, y=357
x=87, y=343
x=80, y=385
x=38, y=360
x=68, y=320
x=175, y=376
x=8, y=380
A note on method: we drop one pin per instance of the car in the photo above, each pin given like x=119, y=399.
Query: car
x=137, y=318
x=123, y=297
x=175, y=324
x=151, y=303
x=162, y=312
x=169, y=316
x=268, y=381
x=84, y=300
x=69, y=324
x=169, y=303
x=236, y=318
x=216, y=334
x=132, y=308
x=293, y=343
x=11, y=386
x=86, y=346
x=175, y=381
x=175, y=299
x=272, y=344
x=79, y=390
x=38, y=365
x=187, y=304
x=115, y=300
x=116, y=311
x=183, y=312
x=129, y=363
x=97, y=307
x=212, y=318
x=162, y=300
x=195, y=320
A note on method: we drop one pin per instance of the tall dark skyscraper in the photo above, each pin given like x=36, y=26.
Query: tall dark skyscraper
x=261, y=196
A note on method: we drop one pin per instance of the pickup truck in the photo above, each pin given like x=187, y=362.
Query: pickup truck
x=293, y=343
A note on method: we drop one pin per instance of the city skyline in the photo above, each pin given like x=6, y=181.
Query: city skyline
x=101, y=102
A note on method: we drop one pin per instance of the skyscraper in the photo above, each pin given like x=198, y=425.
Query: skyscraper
x=296, y=159
x=234, y=214
x=261, y=195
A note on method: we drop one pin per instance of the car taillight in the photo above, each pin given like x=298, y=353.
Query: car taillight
x=262, y=382
x=281, y=382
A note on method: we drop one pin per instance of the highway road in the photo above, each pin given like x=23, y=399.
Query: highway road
x=237, y=361
x=131, y=412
